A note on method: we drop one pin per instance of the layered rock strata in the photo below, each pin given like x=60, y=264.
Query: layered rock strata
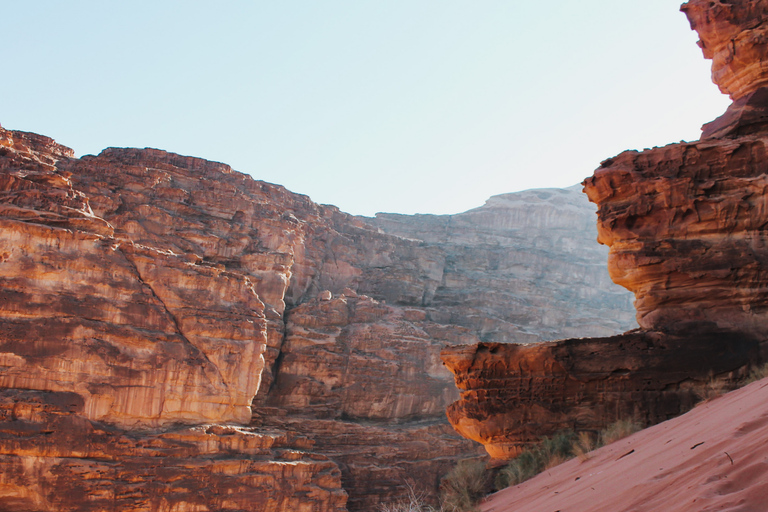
x=109, y=346
x=694, y=248
x=512, y=395
x=733, y=35
x=54, y=458
x=177, y=301
x=518, y=267
x=685, y=225
x=365, y=382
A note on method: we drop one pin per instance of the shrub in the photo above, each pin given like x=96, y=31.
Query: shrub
x=616, y=431
x=757, y=373
x=548, y=453
x=558, y=449
x=414, y=502
x=584, y=444
x=465, y=485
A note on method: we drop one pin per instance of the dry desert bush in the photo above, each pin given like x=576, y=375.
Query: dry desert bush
x=471, y=480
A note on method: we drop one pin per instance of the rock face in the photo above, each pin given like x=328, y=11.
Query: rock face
x=522, y=268
x=109, y=345
x=733, y=34
x=53, y=458
x=685, y=225
x=694, y=249
x=513, y=394
x=177, y=336
x=365, y=382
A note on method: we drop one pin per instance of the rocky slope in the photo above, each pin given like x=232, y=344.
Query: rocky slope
x=685, y=227
x=712, y=458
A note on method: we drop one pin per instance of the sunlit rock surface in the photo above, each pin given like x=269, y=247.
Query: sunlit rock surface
x=734, y=36
x=169, y=297
x=685, y=225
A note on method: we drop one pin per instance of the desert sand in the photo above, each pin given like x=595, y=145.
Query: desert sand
x=713, y=458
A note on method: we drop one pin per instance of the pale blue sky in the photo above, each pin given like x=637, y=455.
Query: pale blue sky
x=405, y=106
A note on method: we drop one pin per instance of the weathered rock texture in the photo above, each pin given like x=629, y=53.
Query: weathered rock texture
x=53, y=458
x=685, y=225
x=694, y=247
x=110, y=342
x=364, y=381
x=734, y=35
x=522, y=268
x=210, y=342
x=513, y=394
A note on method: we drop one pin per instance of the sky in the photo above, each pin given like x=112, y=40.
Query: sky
x=406, y=106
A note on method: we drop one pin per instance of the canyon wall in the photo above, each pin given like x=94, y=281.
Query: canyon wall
x=522, y=268
x=175, y=335
x=685, y=225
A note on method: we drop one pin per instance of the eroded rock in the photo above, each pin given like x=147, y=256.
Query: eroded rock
x=512, y=395
x=685, y=225
x=169, y=293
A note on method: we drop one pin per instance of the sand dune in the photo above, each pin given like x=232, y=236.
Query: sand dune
x=714, y=458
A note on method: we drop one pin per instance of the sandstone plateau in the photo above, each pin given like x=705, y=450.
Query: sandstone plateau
x=175, y=335
x=685, y=225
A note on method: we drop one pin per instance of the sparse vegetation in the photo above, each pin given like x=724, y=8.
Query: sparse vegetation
x=465, y=485
x=414, y=502
x=616, y=431
x=558, y=449
x=548, y=453
x=757, y=373
x=470, y=480
x=584, y=443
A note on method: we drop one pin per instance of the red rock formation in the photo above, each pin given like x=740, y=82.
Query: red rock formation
x=733, y=34
x=160, y=338
x=159, y=290
x=685, y=225
x=103, y=333
x=365, y=382
x=712, y=458
x=694, y=249
x=512, y=395
x=53, y=458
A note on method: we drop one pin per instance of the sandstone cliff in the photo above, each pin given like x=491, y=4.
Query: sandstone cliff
x=522, y=268
x=178, y=336
x=685, y=225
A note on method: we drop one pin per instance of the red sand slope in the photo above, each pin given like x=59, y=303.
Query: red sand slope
x=714, y=458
